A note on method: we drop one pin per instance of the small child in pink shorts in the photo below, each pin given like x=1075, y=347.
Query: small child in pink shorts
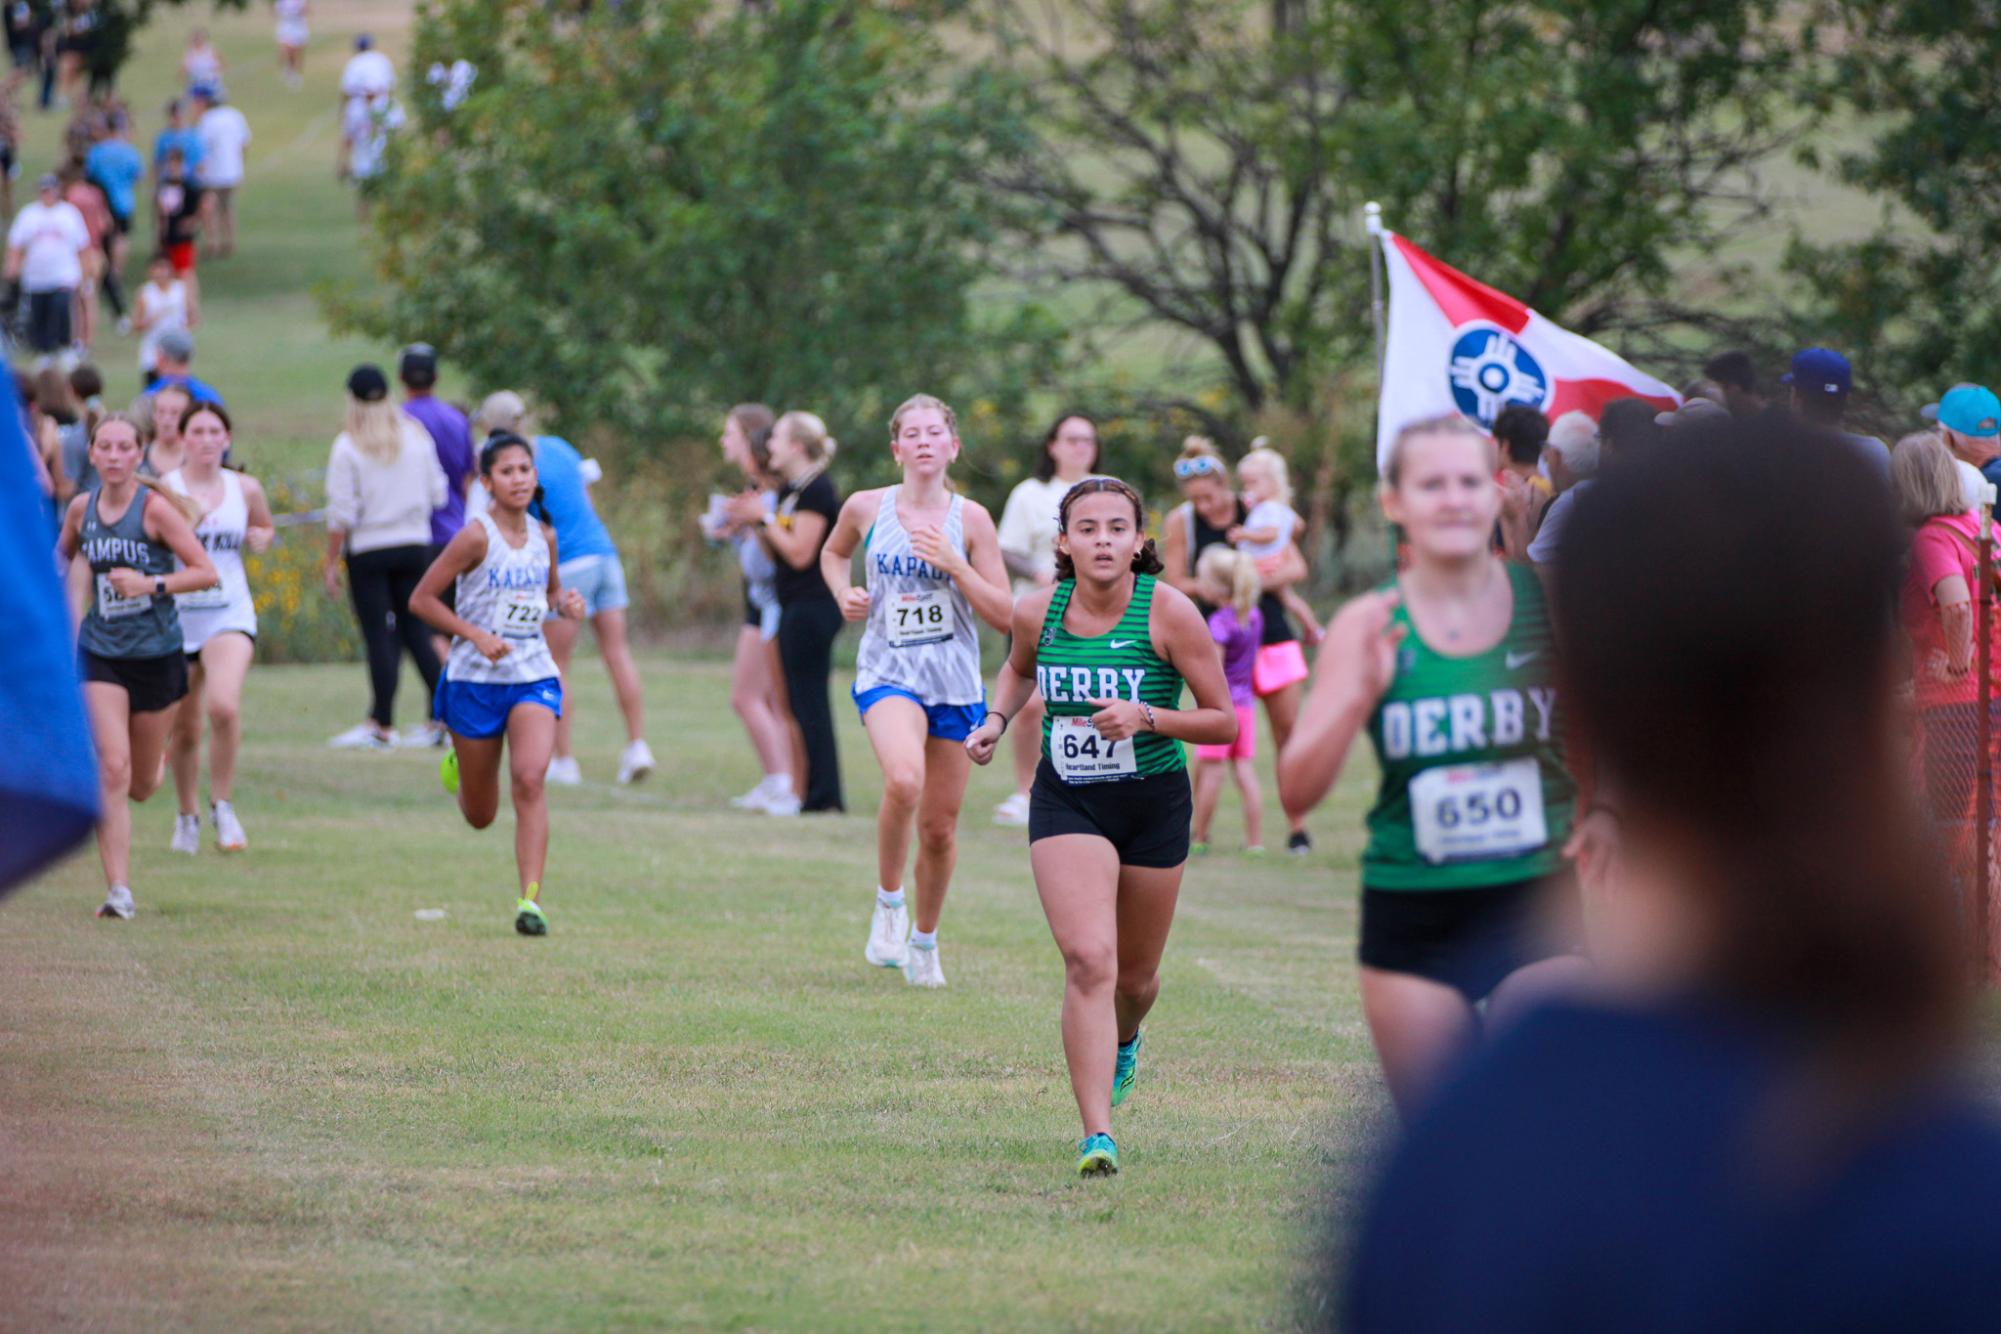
x=1230, y=583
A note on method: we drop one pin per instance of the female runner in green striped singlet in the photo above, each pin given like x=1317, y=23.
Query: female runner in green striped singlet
x=1451, y=670
x=1109, y=645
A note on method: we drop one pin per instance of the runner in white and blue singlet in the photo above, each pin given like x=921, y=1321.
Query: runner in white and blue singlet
x=933, y=561
x=500, y=684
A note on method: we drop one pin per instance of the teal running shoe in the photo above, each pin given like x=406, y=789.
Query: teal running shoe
x=1126, y=1068
x=1097, y=1156
x=528, y=918
x=448, y=772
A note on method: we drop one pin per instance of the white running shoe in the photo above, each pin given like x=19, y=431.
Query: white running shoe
x=118, y=904
x=425, y=736
x=563, y=771
x=635, y=763
x=187, y=834
x=770, y=788
x=888, y=936
x=1013, y=812
x=362, y=736
x=229, y=835
x=921, y=967
x=781, y=802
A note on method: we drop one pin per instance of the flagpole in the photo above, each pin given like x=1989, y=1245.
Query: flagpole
x=1372, y=222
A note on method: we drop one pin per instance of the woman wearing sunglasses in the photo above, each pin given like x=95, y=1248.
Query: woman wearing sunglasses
x=1211, y=510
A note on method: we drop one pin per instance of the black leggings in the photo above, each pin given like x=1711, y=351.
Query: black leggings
x=381, y=582
x=806, y=633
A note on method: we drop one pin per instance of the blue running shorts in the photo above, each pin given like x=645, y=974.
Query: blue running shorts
x=949, y=722
x=479, y=710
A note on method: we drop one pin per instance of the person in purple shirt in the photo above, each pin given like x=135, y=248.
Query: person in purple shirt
x=417, y=368
x=1230, y=583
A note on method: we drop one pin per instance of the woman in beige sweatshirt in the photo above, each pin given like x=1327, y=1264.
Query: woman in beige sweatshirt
x=383, y=481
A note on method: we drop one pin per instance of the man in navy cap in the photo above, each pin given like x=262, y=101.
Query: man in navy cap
x=1820, y=379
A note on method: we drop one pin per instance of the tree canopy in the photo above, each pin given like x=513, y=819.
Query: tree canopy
x=642, y=214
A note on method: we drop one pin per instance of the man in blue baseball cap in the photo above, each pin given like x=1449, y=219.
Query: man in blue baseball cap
x=1820, y=379
x=1969, y=420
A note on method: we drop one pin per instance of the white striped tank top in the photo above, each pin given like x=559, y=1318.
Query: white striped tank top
x=507, y=594
x=920, y=634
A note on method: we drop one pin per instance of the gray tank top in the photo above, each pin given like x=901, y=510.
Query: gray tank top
x=118, y=626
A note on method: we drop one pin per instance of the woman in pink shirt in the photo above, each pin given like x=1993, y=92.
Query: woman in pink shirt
x=1935, y=608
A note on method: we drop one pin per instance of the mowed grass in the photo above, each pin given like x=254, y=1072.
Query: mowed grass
x=277, y=1096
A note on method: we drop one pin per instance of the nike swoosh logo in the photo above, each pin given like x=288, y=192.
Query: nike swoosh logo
x=1515, y=660
x=1123, y=643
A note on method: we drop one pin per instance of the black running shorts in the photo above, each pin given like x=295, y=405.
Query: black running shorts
x=1469, y=939
x=152, y=683
x=1145, y=819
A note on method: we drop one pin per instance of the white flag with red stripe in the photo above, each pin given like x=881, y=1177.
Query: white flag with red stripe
x=1457, y=345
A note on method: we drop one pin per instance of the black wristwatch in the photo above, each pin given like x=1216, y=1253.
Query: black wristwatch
x=159, y=585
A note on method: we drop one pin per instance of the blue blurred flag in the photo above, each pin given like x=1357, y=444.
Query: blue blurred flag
x=48, y=772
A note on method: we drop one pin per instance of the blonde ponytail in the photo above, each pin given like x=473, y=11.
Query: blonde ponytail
x=807, y=431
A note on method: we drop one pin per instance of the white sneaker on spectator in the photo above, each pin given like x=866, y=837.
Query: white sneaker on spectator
x=425, y=736
x=362, y=736
x=782, y=803
x=635, y=763
x=1012, y=812
x=563, y=771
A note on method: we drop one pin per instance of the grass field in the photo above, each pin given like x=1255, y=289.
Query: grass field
x=278, y=1097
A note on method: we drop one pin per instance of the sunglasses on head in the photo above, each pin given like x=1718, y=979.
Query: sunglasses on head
x=1198, y=466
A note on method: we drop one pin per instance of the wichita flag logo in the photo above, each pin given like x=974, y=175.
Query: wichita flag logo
x=1457, y=345
x=1490, y=370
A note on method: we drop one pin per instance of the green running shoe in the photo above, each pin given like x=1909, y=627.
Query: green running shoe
x=528, y=918
x=1125, y=1068
x=448, y=772
x=1097, y=1156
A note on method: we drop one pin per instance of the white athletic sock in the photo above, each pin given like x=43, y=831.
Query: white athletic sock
x=779, y=779
x=887, y=899
x=924, y=940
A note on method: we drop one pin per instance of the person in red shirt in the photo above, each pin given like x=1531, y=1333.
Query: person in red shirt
x=1935, y=609
x=88, y=200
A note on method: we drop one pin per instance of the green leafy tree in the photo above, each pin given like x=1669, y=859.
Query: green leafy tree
x=1918, y=302
x=1203, y=163
x=644, y=213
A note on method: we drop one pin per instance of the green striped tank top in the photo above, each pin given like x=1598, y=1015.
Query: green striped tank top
x=1071, y=670
x=1474, y=789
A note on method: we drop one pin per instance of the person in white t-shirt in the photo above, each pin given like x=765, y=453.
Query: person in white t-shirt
x=162, y=306
x=371, y=124
x=293, y=34
x=1270, y=527
x=48, y=248
x=369, y=75
x=1027, y=536
x=224, y=134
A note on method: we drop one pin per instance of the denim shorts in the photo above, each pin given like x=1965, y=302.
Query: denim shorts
x=601, y=579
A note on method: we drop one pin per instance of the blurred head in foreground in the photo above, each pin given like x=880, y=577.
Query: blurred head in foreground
x=1765, y=1069
x=1728, y=656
